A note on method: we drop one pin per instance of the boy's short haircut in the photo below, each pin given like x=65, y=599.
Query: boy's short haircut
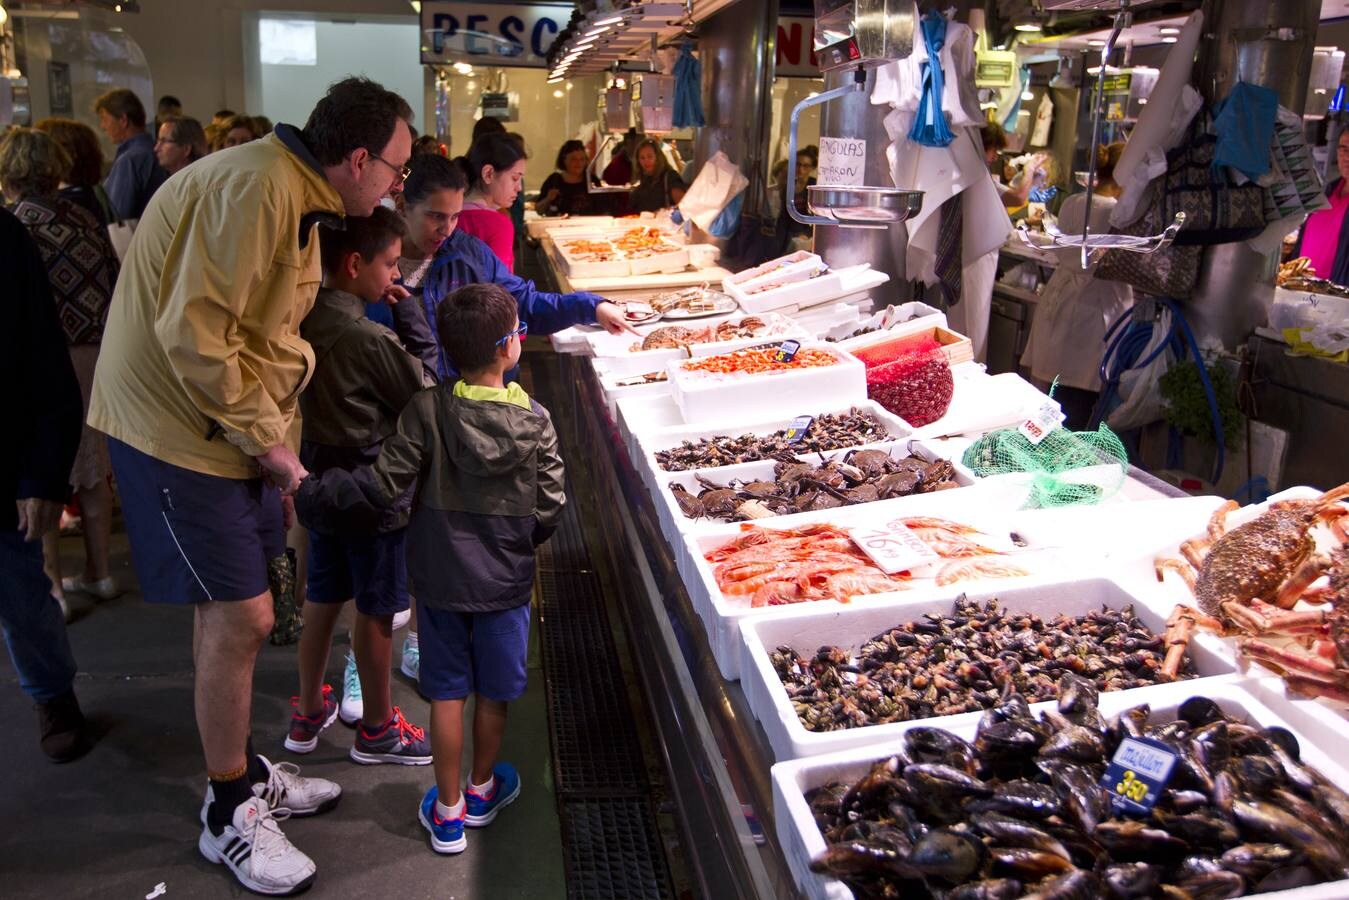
x=366, y=235
x=472, y=320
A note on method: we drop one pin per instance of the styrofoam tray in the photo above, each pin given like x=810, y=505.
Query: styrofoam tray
x=553, y=225
x=807, y=629
x=801, y=841
x=674, y=260
x=982, y=403
x=613, y=392
x=614, y=353
x=983, y=506
x=890, y=319
x=702, y=397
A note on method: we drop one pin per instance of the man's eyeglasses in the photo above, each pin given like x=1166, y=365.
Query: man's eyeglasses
x=403, y=171
x=519, y=332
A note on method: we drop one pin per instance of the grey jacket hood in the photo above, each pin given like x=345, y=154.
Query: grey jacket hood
x=485, y=437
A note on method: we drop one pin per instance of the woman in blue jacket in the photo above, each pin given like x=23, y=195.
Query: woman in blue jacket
x=439, y=259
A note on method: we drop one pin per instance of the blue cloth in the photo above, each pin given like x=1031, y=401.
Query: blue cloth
x=463, y=259
x=688, y=89
x=34, y=630
x=473, y=653
x=134, y=177
x=930, y=127
x=1244, y=123
x=728, y=220
x=1014, y=114
x=371, y=569
x=196, y=537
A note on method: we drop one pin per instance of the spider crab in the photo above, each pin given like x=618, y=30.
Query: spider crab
x=1249, y=579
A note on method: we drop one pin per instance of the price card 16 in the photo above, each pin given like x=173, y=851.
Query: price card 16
x=892, y=546
x=1138, y=774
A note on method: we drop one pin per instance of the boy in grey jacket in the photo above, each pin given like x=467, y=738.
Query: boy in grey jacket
x=489, y=490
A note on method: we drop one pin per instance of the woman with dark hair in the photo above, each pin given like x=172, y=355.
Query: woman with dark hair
x=659, y=188
x=82, y=268
x=565, y=193
x=182, y=141
x=83, y=183
x=495, y=167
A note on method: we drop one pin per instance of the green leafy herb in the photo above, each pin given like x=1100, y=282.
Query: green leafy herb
x=1187, y=408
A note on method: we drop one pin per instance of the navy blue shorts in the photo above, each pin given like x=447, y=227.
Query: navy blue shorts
x=482, y=653
x=373, y=570
x=196, y=537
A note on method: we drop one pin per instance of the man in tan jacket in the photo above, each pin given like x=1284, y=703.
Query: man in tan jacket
x=197, y=384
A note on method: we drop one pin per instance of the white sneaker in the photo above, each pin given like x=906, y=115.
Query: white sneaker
x=352, y=707
x=104, y=588
x=65, y=607
x=286, y=788
x=401, y=619
x=412, y=660
x=257, y=852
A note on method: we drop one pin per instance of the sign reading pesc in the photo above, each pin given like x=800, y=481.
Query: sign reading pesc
x=491, y=34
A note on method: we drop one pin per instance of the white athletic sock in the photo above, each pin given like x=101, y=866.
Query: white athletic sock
x=450, y=812
x=482, y=789
x=411, y=640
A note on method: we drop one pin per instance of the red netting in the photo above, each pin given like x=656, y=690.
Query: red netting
x=912, y=379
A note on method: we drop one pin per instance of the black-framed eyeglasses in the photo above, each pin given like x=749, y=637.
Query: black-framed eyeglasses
x=519, y=332
x=403, y=171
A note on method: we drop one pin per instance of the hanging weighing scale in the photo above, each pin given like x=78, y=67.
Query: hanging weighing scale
x=858, y=36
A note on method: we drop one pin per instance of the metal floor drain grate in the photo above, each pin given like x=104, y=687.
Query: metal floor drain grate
x=613, y=850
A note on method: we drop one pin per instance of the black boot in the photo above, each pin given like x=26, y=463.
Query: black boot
x=61, y=726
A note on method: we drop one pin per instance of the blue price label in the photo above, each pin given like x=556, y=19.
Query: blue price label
x=800, y=426
x=1138, y=774
x=787, y=350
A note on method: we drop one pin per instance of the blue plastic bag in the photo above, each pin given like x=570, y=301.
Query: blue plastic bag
x=728, y=220
x=1244, y=123
x=930, y=127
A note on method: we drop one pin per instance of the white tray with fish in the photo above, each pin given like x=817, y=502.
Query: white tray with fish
x=755, y=580
x=807, y=629
x=705, y=391
x=1321, y=749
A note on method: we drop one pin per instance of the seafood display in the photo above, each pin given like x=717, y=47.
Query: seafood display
x=584, y=250
x=760, y=361
x=701, y=299
x=769, y=566
x=672, y=337
x=1021, y=811
x=913, y=381
x=861, y=476
x=1252, y=579
x=832, y=431
x=641, y=242
x=1298, y=275
x=965, y=661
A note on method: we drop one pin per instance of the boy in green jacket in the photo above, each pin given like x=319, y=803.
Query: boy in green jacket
x=489, y=489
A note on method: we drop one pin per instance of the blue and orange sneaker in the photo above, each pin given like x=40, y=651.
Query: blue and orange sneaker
x=481, y=809
x=303, y=736
x=447, y=835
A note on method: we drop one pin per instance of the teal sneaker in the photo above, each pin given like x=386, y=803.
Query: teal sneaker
x=353, y=707
x=447, y=835
x=412, y=660
x=481, y=809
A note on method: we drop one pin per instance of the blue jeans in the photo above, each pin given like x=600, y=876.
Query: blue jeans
x=34, y=628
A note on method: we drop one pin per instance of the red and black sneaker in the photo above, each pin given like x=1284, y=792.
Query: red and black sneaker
x=304, y=730
x=396, y=741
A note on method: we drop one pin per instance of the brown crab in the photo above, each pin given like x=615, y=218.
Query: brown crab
x=1250, y=578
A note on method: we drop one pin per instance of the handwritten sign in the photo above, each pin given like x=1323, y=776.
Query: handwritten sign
x=843, y=162
x=892, y=545
x=1138, y=774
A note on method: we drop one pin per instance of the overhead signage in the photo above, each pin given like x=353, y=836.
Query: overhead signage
x=491, y=34
x=796, y=48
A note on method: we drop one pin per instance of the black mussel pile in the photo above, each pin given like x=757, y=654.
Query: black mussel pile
x=832, y=431
x=941, y=665
x=1021, y=811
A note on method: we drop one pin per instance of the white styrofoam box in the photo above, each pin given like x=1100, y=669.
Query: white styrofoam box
x=805, y=630
x=614, y=352
x=892, y=317
x=616, y=267
x=983, y=506
x=793, y=266
x=613, y=392
x=554, y=225
x=763, y=469
x=573, y=340
x=676, y=259
x=704, y=397
x=982, y=403
x=801, y=841
x=703, y=256
x=824, y=288
x=1307, y=713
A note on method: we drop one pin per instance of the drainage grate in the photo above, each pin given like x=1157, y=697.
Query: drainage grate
x=613, y=850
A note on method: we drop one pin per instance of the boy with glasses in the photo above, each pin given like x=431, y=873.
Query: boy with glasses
x=489, y=485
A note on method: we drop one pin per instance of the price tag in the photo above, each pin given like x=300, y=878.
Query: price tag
x=892, y=546
x=1046, y=419
x=787, y=350
x=1138, y=774
x=796, y=432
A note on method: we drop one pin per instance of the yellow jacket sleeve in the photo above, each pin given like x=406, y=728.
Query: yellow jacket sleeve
x=223, y=248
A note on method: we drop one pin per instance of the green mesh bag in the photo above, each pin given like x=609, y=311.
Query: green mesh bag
x=1065, y=469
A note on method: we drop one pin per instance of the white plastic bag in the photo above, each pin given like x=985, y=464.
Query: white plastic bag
x=718, y=182
x=1140, y=399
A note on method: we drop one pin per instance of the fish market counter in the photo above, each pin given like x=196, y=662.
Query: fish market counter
x=810, y=582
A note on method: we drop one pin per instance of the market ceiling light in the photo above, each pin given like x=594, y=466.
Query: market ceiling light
x=416, y=6
x=1169, y=40
x=598, y=30
x=1028, y=27
x=1168, y=29
x=1095, y=42
x=1027, y=95
x=463, y=68
x=558, y=94
x=612, y=20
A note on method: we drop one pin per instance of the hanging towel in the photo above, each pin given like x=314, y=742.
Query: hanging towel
x=1012, y=119
x=688, y=91
x=1244, y=122
x=930, y=127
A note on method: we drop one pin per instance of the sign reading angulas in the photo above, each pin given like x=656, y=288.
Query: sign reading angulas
x=491, y=34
